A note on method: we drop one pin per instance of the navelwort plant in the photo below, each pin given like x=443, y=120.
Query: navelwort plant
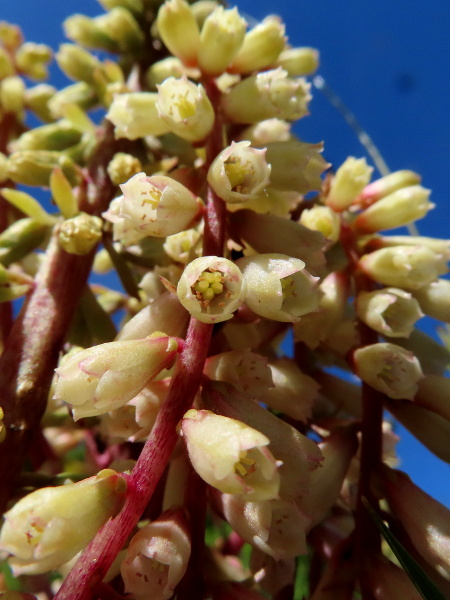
x=183, y=455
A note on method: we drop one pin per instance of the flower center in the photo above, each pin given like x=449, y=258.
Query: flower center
x=237, y=173
x=209, y=285
x=245, y=464
x=154, y=196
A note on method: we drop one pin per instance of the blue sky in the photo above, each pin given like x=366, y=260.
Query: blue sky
x=388, y=61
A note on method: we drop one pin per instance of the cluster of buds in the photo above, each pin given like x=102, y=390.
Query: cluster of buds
x=225, y=235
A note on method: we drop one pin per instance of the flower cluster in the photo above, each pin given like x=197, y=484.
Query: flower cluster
x=288, y=316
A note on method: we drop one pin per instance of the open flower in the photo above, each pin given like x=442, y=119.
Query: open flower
x=104, y=377
x=231, y=456
x=239, y=173
x=211, y=289
x=278, y=288
x=157, y=557
x=152, y=206
x=49, y=526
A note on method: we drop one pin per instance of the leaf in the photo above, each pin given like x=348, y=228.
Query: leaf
x=425, y=586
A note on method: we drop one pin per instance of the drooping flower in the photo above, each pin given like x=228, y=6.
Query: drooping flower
x=231, y=456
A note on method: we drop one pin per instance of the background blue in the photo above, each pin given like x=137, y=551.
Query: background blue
x=389, y=63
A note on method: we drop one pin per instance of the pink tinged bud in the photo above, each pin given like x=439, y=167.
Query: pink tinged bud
x=349, y=181
x=157, y=557
x=434, y=299
x=402, y=207
x=299, y=454
x=261, y=46
x=278, y=288
x=220, y=40
x=135, y=116
x=102, y=378
x=388, y=185
x=154, y=206
x=386, y=581
x=267, y=95
x=185, y=108
x=409, y=267
x=426, y=521
x=326, y=482
x=179, y=30
x=231, y=456
x=211, y=289
x=389, y=369
x=247, y=371
x=434, y=394
x=437, y=245
x=49, y=526
x=294, y=392
x=275, y=527
x=296, y=165
x=390, y=311
x=268, y=233
x=428, y=427
x=239, y=173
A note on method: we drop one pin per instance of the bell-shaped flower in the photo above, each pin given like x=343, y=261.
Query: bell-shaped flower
x=157, y=557
x=276, y=527
x=390, y=311
x=247, y=371
x=231, y=456
x=102, y=378
x=135, y=116
x=294, y=392
x=152, y=206
x=267, y=95
x=278, y=288
x=434, y=299
x=239, y=173
x=185, y=108
x=48, y=527
x=408, y=267
x=211, y=289
x=221, y=37
x=426, y=521
x=388, y=368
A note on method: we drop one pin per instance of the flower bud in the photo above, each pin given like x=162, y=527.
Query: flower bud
x=267, y=131
x=157, y=557
x=239, y=173
x=12, y=94
x=402, y=207
x=323, y=219
x=231, y=456
x=247, y=371
x=122, y=167
x=88, y=32
x=77, y=63
x=54, y=136
x=183, y=247
x=49, y=526
x=104, y=377
x=38, y=98
x=185, y=108
x=211, y=289
x=437, y=245
x=179, y=30
x=389, y=369
x=294, y=392
x=349, y=181
x=390, y=311
x=20, y=238
x=409, y=267
x=261, y=46
x=13, y=285
x=434, y=299
x=426, y=521
x=34, y=167
x=267, y=95
x=32, y=59
x=296, y=165
x=299, y=62
x=120, y=25
x=387, y=185
x=80, y=234
x=6, y=65
x=434, y=394
x=220, y=40
x=79, y=93
x=168, y=67
x=136, y=115
x=152, y=206
x=11, y=36
x=277, y=287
